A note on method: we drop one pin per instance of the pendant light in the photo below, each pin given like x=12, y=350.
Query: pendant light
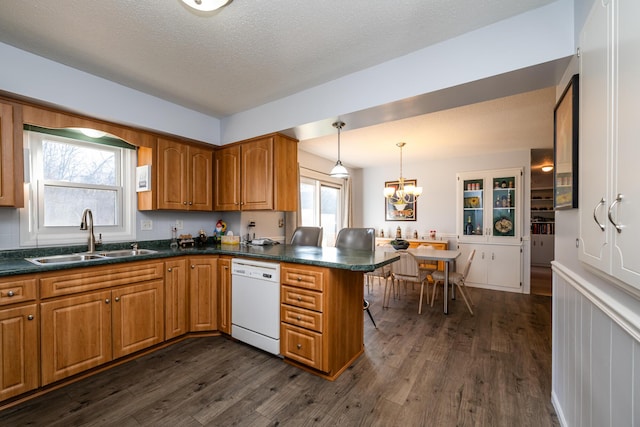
x=338, y=170
x=206, y=5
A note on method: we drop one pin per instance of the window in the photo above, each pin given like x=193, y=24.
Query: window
x=68, y=173
x=321, y=204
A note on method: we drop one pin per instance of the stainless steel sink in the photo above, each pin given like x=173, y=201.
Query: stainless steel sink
x=126, y=252
x=65, y=259
x=78, y=258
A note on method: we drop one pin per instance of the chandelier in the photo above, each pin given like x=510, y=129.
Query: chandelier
x=403, y=195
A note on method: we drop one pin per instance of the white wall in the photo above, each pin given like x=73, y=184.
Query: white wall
x=596, y=334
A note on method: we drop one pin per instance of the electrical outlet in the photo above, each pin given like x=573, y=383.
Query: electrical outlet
x=280, y=222
x=179, y=224
x=146, y=224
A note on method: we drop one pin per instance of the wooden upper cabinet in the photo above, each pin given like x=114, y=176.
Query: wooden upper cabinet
x=258, y=174
x=227, y=179
x=185, y=176
x=11, y=158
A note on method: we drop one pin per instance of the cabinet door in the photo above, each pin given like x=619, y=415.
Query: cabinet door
x=75, y=334
x=504, y=266
x=505, y=207
x=203, y=293
x=224, y=295
x=200, y=179
x=595, y=138
x=10, y=158
x=18, y=351
x=626, y=262
x=175, y=291
x=471, y=204
x=172, y=175
x=227, y=179
x=138, y=317
x=257, y=175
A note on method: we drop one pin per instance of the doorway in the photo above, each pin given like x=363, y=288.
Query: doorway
x=542, y=221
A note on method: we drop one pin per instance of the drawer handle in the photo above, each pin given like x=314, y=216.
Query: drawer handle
x=10, y=293
x=30, y=317
x=299, y=346
x=298, y=318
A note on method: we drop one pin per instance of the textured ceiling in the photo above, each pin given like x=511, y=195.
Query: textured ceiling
x=244, y=55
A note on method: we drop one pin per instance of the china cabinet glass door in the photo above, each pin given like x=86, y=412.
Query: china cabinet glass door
x=473, y=207
x=504, y=206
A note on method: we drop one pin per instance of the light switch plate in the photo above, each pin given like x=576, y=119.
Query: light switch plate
x=179, y=224
x=146, y=224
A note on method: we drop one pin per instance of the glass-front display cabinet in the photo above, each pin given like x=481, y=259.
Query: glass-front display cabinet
x=489, y=205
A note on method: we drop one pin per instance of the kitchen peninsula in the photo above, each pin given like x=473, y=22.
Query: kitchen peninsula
x=128, y=306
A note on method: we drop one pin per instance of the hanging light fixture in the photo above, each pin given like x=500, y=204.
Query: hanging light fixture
x=206, y=5
x=338, y=170
x=403, y=195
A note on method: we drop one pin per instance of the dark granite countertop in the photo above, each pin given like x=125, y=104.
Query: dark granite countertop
x=14, y=262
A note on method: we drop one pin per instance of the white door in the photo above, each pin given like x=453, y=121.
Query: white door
x=626, y=262
x=595, y=138
x=504, y=266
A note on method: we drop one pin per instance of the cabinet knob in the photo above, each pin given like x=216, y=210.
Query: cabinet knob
x=117, y=299
x=193, y=266
x=184, y=203
x=10, y=293
x=299, y=279
x=299, y=346
x=190, y=203
x=169, y=270
x=298, y=318
x=299, y=298
x=30, y=317
x=107, y=301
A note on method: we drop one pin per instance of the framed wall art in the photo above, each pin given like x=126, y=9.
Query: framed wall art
x=396, y=209
x=565, y=147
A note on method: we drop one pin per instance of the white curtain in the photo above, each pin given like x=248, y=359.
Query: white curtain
x=347, y=217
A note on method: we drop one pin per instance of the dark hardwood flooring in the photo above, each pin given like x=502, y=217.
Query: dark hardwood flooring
x=491, y=369
x=541, y=281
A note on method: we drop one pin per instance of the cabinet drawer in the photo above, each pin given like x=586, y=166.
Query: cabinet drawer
x=302, y=345
x=301, y=317
x=15, y=291
x=304, y=278
x=92, y=278
x=301, y=298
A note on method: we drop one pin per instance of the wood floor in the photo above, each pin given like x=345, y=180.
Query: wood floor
x=492, y=369
x=541, y=281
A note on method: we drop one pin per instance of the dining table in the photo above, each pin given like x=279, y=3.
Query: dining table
x=447, y=256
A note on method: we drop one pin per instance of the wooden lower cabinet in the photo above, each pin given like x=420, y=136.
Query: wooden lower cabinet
x=224, y=294
x=18, y=350
x=75, y=334
x=321, y=318
x=203, y=294
x=82, y=327
x=176, y=298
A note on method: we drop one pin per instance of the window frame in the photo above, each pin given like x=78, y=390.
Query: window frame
x=32, y=230
x=308, y=176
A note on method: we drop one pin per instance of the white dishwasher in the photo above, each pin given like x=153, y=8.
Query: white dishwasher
x=255, y=303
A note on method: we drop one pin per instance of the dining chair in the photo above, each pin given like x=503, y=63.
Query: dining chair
x=383, y=272
x=307, y=236
x=361, y=239
x=455, y=279
x=407, y=269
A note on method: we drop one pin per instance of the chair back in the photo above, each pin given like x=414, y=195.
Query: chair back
x=406, y=266
x=467, y=266
x=356, y=238
x=307, y=236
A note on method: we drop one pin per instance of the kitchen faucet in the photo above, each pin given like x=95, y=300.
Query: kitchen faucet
x=87, y=224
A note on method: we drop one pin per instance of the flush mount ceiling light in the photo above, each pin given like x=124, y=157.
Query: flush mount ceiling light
x=206, y=5
x=92, y=133
x=403, y=195
x=547, y=168
x=338, y=170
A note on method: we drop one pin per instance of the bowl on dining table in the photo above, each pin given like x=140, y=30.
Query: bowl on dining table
x=399, y=244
